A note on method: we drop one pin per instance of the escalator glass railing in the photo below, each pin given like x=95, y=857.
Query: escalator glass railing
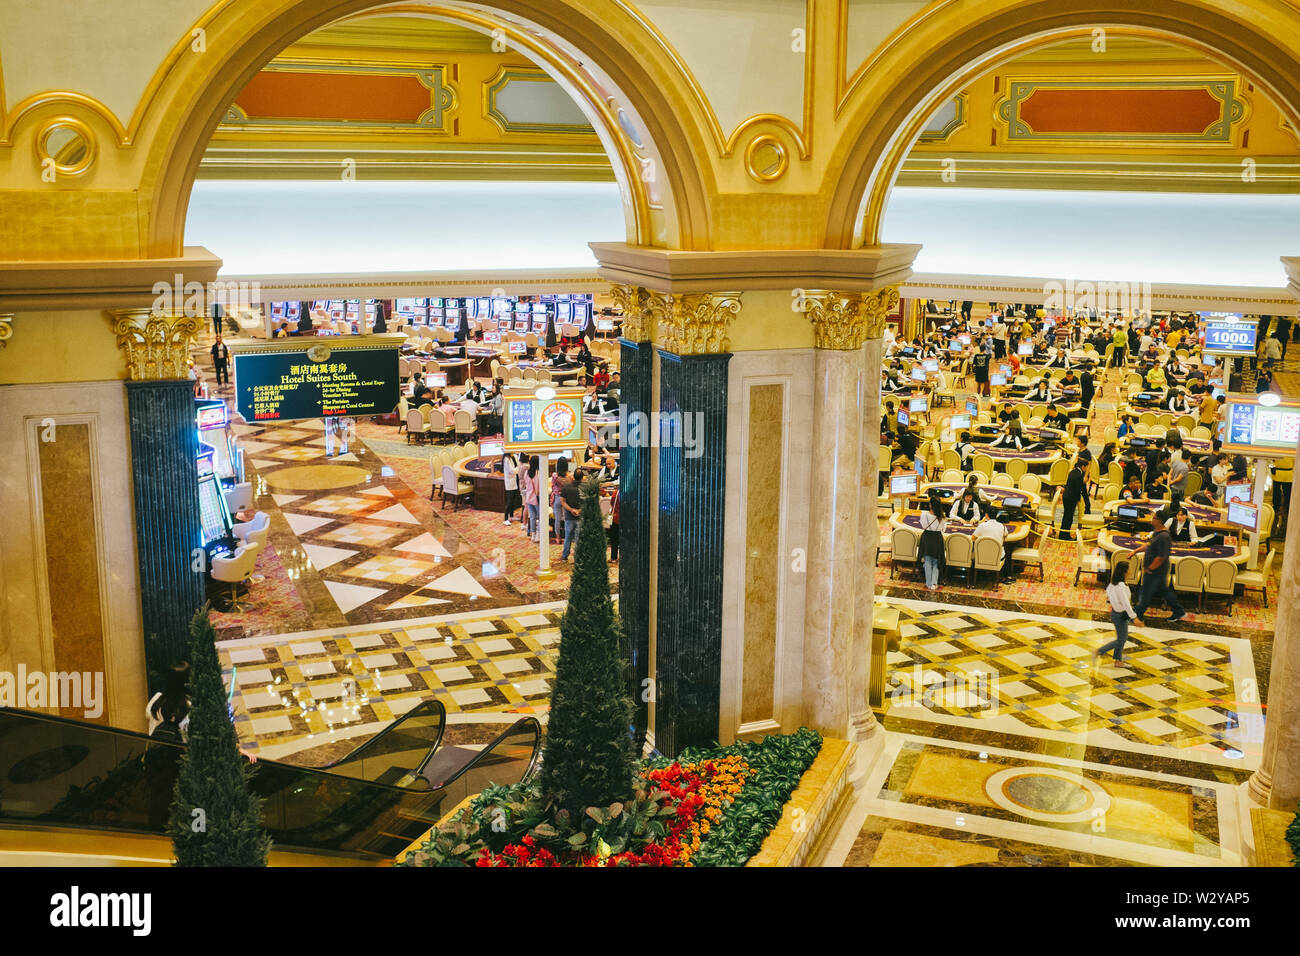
x=58, y=772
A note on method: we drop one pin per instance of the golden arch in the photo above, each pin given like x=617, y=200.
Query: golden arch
x=196, y=91
x=933, y=55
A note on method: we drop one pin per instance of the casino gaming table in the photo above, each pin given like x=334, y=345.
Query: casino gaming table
x=1111, y=541
x=1016, y=530
x=903, y=394
x=1039, y=409
x=457, y=370
x=987, y=432
x=489, y=484
x=1202, y=515
x=991, y=492
x=1038, y=458
x=1192, y=447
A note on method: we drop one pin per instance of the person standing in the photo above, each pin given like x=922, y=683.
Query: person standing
x=980, y=367
x=221, y=360
x=1155, y=574
x=531, y=499
x=1121, y=611
x=571, y=506
x=1071, y=494
x=510, y=472
x=1087, y=388
x=933, y=524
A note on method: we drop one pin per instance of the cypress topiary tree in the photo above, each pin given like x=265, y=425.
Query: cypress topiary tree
x=214, y=775
x=588, y=759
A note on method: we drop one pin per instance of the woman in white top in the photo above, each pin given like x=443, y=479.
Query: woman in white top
x=1121, y=611
x=510, y=469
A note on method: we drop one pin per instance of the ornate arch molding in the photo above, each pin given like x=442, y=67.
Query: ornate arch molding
x=946, y=45
x=249, y=33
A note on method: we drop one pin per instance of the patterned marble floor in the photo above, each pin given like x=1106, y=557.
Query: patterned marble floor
x=309, y=689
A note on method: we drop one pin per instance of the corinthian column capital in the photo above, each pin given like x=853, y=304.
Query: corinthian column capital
x=155, y=345
x=632, y=302
x=698, y=323
x=844, y=321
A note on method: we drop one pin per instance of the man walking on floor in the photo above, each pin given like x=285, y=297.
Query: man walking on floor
x=1155, y=576
x=221, y=361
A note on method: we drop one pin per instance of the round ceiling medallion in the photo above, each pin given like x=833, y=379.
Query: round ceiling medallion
x=766, y=159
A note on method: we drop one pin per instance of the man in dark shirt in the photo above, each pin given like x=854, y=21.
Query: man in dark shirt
x=1074, y=492
x=571, y=505
x=1056, y=419
x=1007, y=413
x=1155, y=577
x=221, y=361
x=1087, y=389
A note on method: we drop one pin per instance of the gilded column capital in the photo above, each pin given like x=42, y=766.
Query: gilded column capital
x=631, y=300
x=876, y=307
x=6, y=328
x=156, y=345
x=697, y=323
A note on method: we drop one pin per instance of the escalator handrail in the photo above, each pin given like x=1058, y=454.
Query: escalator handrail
x=86, y=726
x=530, y=722
x=420, y=709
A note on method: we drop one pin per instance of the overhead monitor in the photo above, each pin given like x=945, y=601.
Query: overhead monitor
x=1269, y=428
x=903, y=485
x=959, y=421
x=921, y=404
x=1227, y=334
x=1244, y=515
x=1237, y=492
x=492, y=448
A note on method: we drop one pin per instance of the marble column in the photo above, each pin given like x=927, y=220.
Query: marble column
x=160, y=400
x=862, y=722
x=839, y=389
x=636, y=399
x=692, y=438
x=1276, y=783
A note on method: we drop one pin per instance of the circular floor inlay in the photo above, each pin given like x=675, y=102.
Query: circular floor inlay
x=1047, y=793
x=316, y=477
x=47, y=764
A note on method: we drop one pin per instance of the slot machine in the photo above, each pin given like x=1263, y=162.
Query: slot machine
x=214, y=518
x=212, y=418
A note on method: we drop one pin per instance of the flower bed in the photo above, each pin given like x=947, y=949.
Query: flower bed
x=709, y=807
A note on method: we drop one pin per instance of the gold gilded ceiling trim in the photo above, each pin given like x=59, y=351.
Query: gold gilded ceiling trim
x=529, y=74
x=6, y=328
x=959, y=122
x=845, y=87
x=726, y=144
x=126, y=135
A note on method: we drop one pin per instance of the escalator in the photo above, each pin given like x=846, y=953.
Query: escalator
x=60, y=774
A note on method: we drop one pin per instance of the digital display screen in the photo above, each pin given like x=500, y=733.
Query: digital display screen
x=964, y=339
x=1014, y=502
x=213, y=517
x=1004, y=369
x=918, y=374
x=282, y=386
x=1243, y=515
x=1025, y=348
x=904, y=418
x=973, y=406
x=997, y=379
x=1263, y=426
x=605, y=325
x=565, y=311
x=216, y=415
x=1128, y=511
x=491, y=449
x=918, y=405
x=931, y=365
x=544, y=424
x=539, y=325
x=1238, y=492
x=436, y=380
x=1227, y=334
x=901, y=485
x=959, y=421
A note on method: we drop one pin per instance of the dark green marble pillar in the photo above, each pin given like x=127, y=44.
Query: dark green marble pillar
x=167, y=523
x=692, y=497
x=637, y=367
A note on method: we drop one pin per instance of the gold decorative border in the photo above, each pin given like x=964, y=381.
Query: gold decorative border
x=696, y=323
x=42, y=145
x=1235, y=110
x=959, y=122
x=6, y=328
x=510, y=74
